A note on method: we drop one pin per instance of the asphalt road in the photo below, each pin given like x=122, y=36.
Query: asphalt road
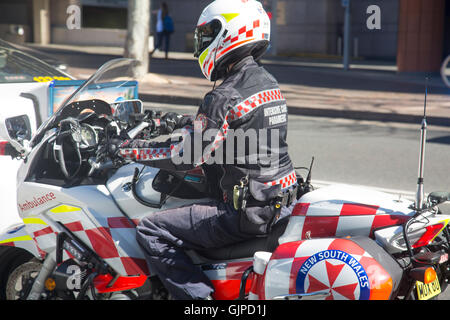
x=372, y=154
x=380, y=155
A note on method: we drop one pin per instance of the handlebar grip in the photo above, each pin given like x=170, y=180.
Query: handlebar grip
x=136, y=130
x=158, y=126
x=163, y=126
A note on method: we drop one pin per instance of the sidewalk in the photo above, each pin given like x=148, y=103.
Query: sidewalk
x=323, y=101
x=318, y=102
x=326, y=98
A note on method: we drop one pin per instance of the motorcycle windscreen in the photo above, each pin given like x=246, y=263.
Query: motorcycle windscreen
x=108, y=91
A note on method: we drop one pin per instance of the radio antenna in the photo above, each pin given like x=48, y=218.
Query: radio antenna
x=423, y=136
x=308, y=178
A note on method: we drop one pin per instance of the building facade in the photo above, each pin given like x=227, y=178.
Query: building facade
x=415, y=33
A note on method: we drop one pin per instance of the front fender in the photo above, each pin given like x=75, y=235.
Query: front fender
x=17, y=236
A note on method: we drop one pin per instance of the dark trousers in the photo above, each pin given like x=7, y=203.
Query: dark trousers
x=160, y=38
x=165, y=235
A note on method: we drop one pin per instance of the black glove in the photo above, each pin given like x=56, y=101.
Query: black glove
x=113, y=146
x=175, y=121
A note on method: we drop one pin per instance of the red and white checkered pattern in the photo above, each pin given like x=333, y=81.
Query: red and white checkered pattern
x=145, y=154
x=243, y=33
x=237, y=112
x=285, y=181
x=124, y=256
x=242, y=36
x=339, y=218
x=218, y=140
x=148, y=154
x=254, y=102
x=114, y=241
x=342, y=210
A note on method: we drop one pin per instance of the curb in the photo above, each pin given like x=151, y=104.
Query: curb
x=162, y=98
x=315, y=112
x=368, y=116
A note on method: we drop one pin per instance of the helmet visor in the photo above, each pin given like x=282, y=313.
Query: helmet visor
x=205, y=35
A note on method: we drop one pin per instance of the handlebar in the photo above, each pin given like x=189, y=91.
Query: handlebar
x=95, y=165
x=136, y=130
x=147, y=124
x=149, y=120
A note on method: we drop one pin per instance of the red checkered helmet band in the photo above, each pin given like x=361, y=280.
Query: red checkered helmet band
x=227, y=31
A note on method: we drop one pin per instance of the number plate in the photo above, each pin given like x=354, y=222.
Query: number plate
x=428, y=291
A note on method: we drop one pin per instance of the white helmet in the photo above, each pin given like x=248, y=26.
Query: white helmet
x=227, y=31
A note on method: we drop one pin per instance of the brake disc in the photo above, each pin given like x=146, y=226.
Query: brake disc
x=21, y=280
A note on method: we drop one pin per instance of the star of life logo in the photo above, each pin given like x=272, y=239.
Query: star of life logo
x=336, y=271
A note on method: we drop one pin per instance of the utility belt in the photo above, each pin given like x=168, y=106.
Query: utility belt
x=243, y=199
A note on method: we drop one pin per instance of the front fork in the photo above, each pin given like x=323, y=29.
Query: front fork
x=442, y=270
x=47, y=268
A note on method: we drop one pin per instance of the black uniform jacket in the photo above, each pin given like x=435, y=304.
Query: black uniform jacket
x=238, y=136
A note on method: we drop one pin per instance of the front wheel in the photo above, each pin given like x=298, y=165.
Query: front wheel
x=21, y=280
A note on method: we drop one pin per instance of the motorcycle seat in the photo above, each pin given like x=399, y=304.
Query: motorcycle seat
x=247, y=248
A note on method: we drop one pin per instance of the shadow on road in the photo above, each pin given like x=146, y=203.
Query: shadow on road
x=319, y=77
x=441, y=140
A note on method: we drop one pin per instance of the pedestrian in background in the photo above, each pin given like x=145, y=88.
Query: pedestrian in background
x=164, y=29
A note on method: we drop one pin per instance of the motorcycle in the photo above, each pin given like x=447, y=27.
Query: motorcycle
x=80, y=205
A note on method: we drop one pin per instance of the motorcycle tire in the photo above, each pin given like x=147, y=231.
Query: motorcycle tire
x=21, y=280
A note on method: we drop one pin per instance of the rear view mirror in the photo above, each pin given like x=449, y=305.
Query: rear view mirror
x=18, y=128
x=17, y=131
x=124, y=109
x=438, y=197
